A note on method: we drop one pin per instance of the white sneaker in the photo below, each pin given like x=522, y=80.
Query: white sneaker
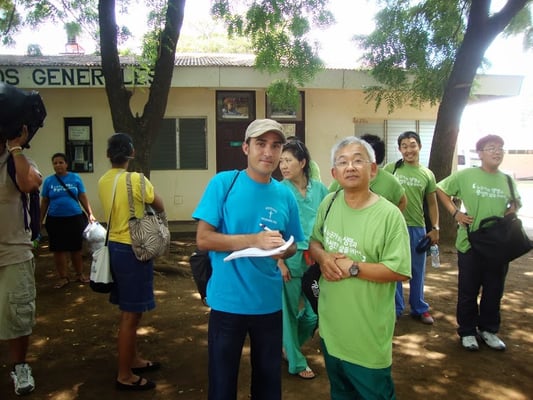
x=491, y=340
x=22, y=379
x=469, y=343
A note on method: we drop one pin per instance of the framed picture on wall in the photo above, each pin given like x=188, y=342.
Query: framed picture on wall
x=235, y=106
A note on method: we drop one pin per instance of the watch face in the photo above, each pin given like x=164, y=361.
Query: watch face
x=354, y=270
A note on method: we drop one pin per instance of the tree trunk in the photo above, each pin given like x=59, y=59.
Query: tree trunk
x=144, y=128
x=480, y=33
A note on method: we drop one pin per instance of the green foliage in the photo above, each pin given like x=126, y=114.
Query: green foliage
x=17, y=15
x=73, y=29
x=412, y=50
x=283, y=95
x=522, y=24
x=278, y=31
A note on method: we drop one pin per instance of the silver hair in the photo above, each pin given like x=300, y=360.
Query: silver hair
x=352, y=140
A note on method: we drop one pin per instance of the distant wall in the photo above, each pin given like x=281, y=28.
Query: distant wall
x=520, y=166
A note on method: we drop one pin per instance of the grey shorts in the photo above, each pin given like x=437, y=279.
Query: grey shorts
x=17, y=300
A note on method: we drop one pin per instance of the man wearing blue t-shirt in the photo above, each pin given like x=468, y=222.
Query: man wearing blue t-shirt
x=240, y=210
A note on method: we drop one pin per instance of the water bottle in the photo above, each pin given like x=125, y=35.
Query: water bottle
x=435, y=259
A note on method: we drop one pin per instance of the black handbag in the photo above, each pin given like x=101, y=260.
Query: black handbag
x=500, y=240
x=310, y=287
x=201, y=263
x=201, y=271
x=311, y=276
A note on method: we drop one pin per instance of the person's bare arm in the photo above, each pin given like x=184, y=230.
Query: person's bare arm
x=433, y=210
x=335, y=266
x=84, y=200
x=27, y=177
x=158, y=204
x=374, y=272
x=207, y=238
x=448, y=204
x=403, y=203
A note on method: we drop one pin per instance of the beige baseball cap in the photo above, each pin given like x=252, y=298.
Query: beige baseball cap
x=261, y=126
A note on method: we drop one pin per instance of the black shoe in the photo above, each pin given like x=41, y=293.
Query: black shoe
x=135, y=386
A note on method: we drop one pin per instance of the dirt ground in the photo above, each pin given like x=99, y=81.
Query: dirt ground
x=72, y=350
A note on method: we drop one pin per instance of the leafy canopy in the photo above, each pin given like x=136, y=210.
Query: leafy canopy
x=279, y=34
x=412, y=50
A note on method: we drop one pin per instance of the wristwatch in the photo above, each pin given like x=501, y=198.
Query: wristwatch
x=436, y=228
x=354, y=270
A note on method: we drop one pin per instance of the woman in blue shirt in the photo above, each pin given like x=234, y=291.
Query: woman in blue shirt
x=62, y=196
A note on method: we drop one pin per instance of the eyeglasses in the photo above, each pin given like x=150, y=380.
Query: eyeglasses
x=494, y=150
x=356, y=163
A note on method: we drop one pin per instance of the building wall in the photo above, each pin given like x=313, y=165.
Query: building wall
x=332, y=115
x=329, y=116
x=334, y=108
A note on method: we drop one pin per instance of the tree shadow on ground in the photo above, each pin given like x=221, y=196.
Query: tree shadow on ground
x=73, y=348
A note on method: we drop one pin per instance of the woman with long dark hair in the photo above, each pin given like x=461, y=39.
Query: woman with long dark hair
x=298, y=323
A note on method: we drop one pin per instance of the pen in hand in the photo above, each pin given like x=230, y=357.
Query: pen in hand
x=266, y=228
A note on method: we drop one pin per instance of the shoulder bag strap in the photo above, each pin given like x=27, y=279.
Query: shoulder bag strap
x=397, y=165
x=71, y=194
x=130, y=195
x=131, y=202
x=329, y=207
x=230, y=186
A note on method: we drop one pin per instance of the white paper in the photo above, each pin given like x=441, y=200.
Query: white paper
x=256, y=252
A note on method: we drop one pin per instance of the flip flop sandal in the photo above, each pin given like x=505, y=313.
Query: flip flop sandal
x=307, y=373
x=135, y=386
x=64, y=281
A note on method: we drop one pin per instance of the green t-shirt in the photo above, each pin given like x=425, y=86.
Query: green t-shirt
x=483, y=195
x=314, y=171
x=384, y=183
x=357, y=317
x=418, y=181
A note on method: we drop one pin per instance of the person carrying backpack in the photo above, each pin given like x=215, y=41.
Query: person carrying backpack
x=17, y=266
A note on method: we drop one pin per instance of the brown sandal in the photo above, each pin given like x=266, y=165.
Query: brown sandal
x=63, y=281
x=307, y=373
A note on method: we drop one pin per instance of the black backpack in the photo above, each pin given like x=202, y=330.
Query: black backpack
x=30, y=204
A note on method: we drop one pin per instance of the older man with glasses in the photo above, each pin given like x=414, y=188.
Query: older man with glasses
x=362, y=246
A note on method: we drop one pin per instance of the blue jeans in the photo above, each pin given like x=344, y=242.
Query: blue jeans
x=474, y=274
x=418, y=272
x=226, y=335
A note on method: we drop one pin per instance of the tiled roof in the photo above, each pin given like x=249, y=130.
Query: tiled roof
x=182, y=60
x=214, y=60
